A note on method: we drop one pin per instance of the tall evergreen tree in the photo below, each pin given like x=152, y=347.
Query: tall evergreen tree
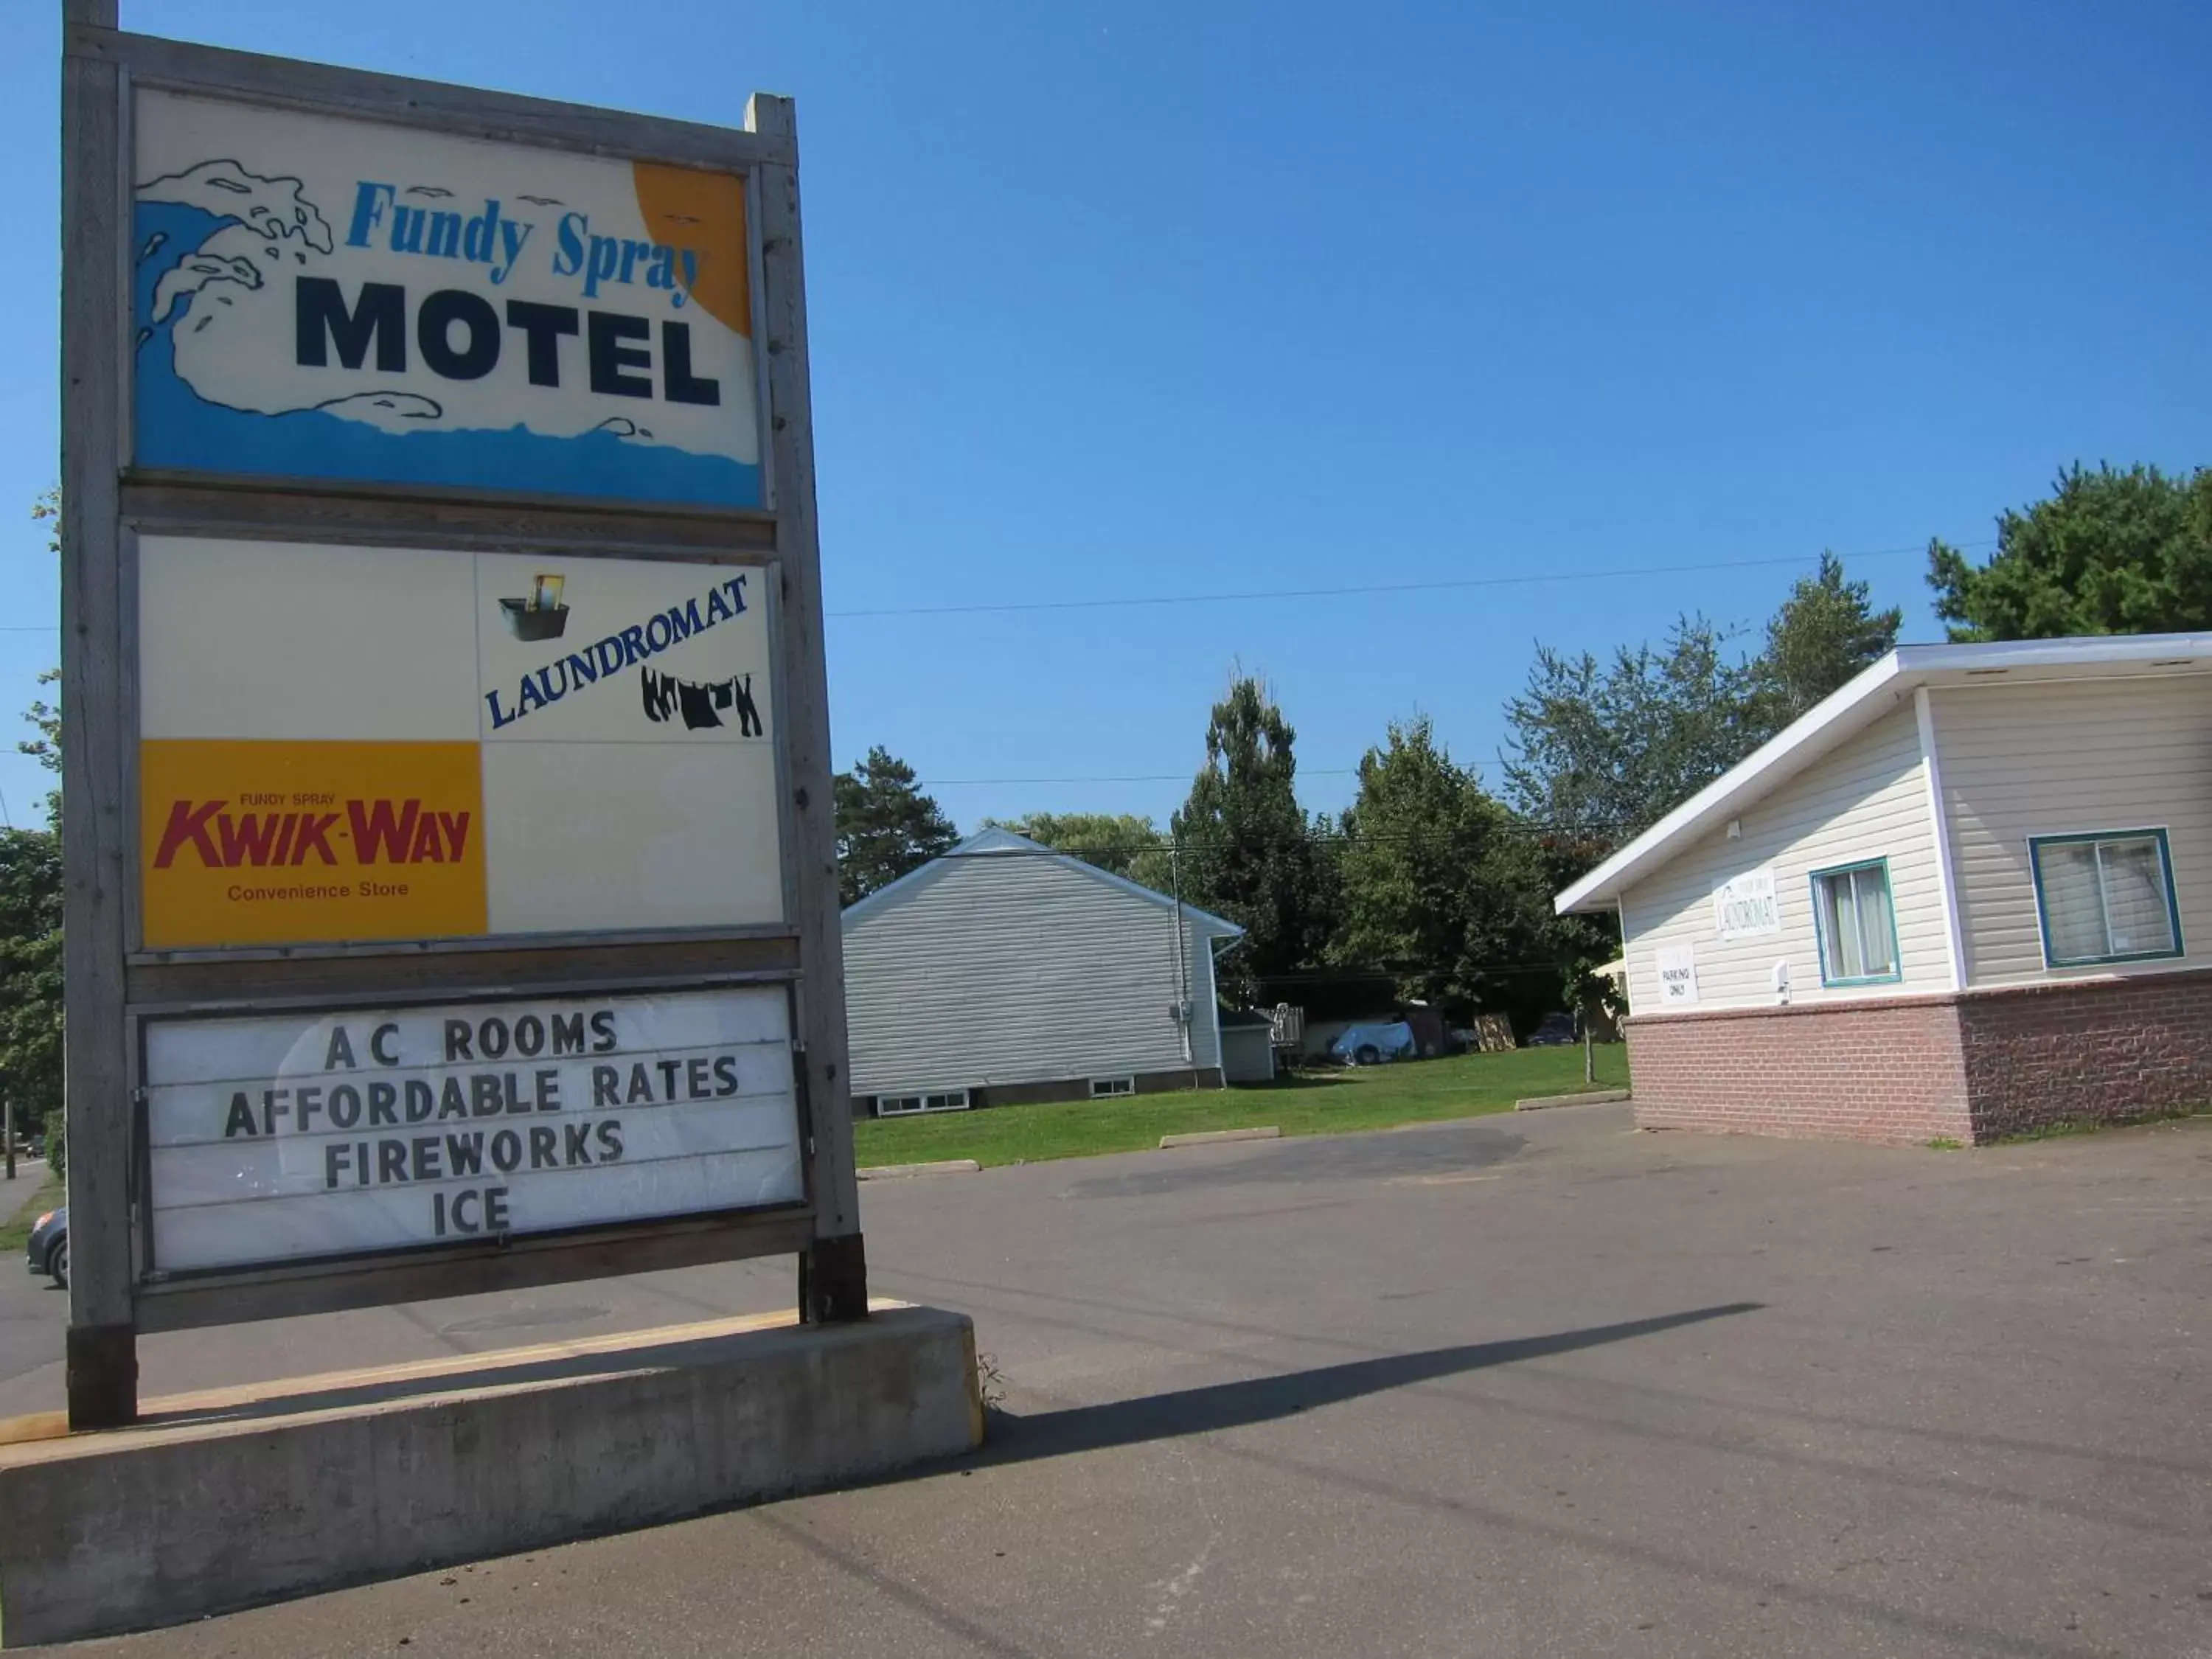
x=1825, y=633
x=885, y=825
x=1245, y=845
x=2110, y=552
x=1598, y=752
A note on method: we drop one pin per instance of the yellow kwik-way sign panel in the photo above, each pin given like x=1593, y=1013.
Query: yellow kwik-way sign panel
x=245, y=842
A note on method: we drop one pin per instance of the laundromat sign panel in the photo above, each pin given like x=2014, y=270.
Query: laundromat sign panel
x=343, y=744
x=323, y=298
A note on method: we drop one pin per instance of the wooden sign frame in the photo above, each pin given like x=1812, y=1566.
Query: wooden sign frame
x=112, y=988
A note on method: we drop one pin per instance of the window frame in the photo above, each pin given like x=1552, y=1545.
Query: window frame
x=922, y=1097
x=1813, y=879
x=2078, y=837
x=1114, y=1087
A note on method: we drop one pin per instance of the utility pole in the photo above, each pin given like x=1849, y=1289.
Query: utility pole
x=7, y=1110
x=1182, y=960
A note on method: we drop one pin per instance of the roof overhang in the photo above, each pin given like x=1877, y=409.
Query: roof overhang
x=999, y=842
x=1858, y=705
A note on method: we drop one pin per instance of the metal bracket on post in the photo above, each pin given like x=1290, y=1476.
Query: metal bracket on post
x=833, y=1281
x=101, y=1370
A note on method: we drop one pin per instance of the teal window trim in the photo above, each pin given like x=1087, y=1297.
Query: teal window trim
x=1896, y=973
x=2035, y=846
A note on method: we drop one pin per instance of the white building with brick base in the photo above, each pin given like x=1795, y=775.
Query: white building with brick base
x=1969, y=893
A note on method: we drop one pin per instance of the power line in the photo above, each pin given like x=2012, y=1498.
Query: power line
x=1091, y=855
x=1134, y=777
x=1364, y=589
x=1443, y=584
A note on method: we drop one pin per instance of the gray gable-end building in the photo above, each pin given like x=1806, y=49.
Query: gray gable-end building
x=1005, y=971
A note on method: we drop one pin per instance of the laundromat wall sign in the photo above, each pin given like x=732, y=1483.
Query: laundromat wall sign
x=317, y=297
x=343, y=744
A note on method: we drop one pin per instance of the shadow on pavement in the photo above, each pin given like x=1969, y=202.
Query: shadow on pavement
x=1016, y=1439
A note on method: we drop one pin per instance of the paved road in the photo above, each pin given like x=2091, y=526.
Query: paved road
x=1532, y=1386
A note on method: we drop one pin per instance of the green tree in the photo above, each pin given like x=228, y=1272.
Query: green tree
x=2110, y=552
x=1825, y=633
x=31, y=976
x=1598, y=752
x=1441, y=887
x=45, y=718
x=1246, y=848
x=1124, y=843
x=31, y=923
x=885, y=825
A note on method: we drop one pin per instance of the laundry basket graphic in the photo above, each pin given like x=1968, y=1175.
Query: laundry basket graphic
x=540, y=615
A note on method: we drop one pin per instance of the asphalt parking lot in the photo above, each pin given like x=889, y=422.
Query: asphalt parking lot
x=1532, y=1385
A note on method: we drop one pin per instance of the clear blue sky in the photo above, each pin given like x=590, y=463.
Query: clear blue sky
x=1181, y=299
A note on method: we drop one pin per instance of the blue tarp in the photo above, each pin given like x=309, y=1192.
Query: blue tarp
x=1390, y=1042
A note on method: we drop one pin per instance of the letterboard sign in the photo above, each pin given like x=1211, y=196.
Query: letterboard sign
x=293, y=1137
x=323, y=298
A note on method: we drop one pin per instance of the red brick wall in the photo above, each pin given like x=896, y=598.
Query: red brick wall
x=2037, y=1054
x=1973, y=1067
x=1882, y=1068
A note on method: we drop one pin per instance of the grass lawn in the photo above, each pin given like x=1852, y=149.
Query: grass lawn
x=1316, y=1103
x=14, y=1235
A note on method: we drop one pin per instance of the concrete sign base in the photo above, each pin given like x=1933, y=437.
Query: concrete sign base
x=221, y=1500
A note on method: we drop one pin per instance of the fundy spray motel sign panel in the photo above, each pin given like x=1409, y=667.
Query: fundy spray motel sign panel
x=288, y=1137
x=342, y=744
x=319, y=297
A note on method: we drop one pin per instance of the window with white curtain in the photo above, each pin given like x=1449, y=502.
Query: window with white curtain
x=2106, y=898
x=1858, y=930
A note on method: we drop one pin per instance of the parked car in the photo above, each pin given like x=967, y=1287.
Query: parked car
x=1552, y=1031
x=49, y=1248
x=1370, y=1045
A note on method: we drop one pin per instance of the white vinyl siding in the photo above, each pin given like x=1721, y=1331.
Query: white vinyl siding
x=1867, y=800
x=2026, y=761
x=1010, y=968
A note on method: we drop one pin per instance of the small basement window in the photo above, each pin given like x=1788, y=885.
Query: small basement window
x=1106, y=1088
x=2106, y=898
x=943, y=1100
x=1857, y=925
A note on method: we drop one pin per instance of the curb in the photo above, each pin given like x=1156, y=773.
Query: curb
x=1588, y=1097
x=943, y=1166
x=1213, y=1137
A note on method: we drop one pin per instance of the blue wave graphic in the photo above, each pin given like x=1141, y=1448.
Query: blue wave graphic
x=178, y=428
